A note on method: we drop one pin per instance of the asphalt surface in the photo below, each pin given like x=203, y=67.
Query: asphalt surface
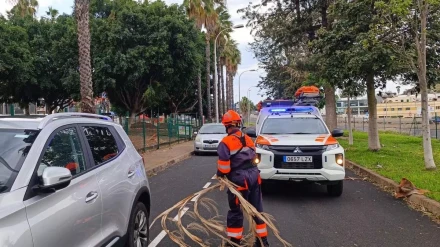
x=305, y=215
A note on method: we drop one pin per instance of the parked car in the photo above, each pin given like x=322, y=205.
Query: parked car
x=71, y=179
x=208, y=138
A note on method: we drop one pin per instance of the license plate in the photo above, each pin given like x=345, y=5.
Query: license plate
x=210, y=146
x=305, y=159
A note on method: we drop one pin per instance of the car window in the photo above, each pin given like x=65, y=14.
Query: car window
x=294, y=126
x=102, y=143
x=64, y=150
x=212, y=129
x=14, y=147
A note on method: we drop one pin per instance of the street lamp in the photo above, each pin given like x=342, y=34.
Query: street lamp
x=239, y=88
x=249, y=103
x=215, y=67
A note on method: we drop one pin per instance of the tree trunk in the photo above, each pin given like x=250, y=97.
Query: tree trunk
x=199, y=93
x=228, y=93
x=27, y=110
x=219, y=88
x=330, y=107
x=421, y=73
x=350, y=130
x=231, y=86
x=373, y=131
x=208, y=76
x=85, y=68
x=223, y=90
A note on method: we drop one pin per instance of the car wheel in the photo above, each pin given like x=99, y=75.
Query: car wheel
x=335, y=190
x=139, y=227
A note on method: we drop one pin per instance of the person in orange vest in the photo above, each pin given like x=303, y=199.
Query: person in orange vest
x=235, y=155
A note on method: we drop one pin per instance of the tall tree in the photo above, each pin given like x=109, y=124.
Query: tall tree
x=85, y=66
x=348, y=52
x=195, y=10
x=282, y=35
x=232, y=60
x=24, y=7
x=407, y=20
x=147, y=63
x=226, y=25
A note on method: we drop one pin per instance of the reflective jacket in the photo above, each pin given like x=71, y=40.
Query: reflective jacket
x=235, y=152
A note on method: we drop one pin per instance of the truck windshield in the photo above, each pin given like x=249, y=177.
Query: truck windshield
x=14, y=147
x=294, y=126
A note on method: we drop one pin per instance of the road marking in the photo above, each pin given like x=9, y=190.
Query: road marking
x=162, y=234
x=214, y=177
x=207, y=185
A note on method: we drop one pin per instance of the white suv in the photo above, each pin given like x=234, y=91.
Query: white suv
x=71, y=179
x=298, y=146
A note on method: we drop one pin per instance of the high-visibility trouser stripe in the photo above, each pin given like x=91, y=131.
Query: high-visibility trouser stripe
x=224, y=168
x=235, y=232
x=262, y=230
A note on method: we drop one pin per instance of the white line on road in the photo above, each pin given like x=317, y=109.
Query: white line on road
x=207, y=185
x=214, y=177
x=162, y=234
x=195, y=198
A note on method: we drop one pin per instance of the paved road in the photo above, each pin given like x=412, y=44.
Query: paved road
x=306, y=216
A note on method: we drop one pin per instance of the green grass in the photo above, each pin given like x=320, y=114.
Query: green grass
x=400, y=157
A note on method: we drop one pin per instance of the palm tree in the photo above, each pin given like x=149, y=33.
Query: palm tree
x=223, y=23
x=85, y=67
x=232, y=60
x=196, y=11
x=53, y=13
x=25, y=7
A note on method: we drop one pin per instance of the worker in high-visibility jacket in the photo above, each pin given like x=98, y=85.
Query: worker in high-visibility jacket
x=235, y=155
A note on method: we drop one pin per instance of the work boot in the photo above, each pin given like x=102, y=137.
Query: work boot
x=235, y=241
x=258, y=243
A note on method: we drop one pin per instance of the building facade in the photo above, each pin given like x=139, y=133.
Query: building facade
x=406, y=106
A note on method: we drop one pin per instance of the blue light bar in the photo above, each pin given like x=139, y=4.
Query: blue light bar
x=278, y=110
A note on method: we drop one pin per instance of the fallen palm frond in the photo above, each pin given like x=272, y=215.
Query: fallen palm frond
x=213, y=225
x=407, y=188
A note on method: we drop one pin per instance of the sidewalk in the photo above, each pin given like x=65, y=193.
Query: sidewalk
x=159, y=160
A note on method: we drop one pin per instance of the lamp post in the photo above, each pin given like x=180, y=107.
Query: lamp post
x=239, y=88
x=215, y=68
x=249, y=104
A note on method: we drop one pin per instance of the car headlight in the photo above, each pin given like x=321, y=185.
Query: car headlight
x=265, y=147
x=197, y=138
x=332, y=146
x=339, y=159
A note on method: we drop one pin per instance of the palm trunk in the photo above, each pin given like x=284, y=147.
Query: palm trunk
x=231, y=82
x=219, y=88
x=199, y=93
x=373, y=131
x=330, y=107
x=208, y=76
x=350, y=130
x=228, y=94
x=421, y=73
x=223, y=89
x=85, y=68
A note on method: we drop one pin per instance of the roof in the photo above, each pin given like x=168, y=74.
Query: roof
x=39, y=123
x=19, y=123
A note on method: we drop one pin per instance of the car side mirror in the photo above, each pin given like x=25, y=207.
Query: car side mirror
x=337, y=133
x=54, y=178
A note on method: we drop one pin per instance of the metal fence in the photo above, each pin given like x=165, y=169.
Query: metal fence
x=153, y=133
x=409, y=126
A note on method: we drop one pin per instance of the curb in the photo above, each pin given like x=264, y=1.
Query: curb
x=421, y=202
x=168, y=163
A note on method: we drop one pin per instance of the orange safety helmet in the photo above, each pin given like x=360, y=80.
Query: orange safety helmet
x=231, y=118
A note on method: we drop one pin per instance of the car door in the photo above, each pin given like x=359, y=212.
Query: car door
x=70, y=216
x=117, y=175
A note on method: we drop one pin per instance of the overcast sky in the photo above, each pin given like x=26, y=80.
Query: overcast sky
x=242, y=36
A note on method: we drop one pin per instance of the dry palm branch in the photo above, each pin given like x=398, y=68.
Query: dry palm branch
x=213, y=225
